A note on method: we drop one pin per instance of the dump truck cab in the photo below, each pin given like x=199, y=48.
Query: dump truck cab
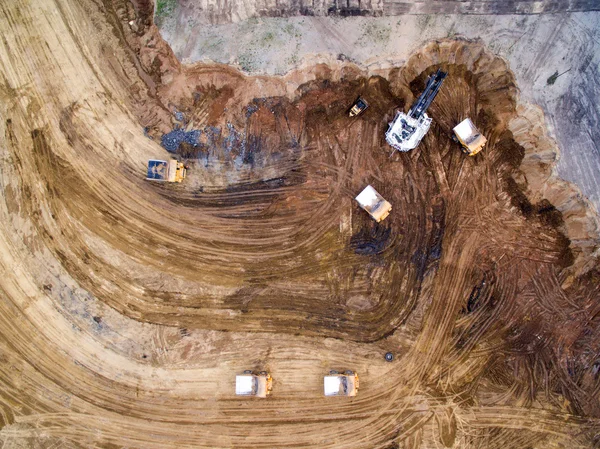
x=250, y=384
x=337, y=384
x=469, y=137
x=359, y=106
x=371, y=201
x=166, y=171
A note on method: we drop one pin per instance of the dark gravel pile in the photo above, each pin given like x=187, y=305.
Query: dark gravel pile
x=172, y=140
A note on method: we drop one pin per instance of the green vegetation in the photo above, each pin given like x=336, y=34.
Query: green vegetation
x=213, y=47
x=267, y=39
x=290, y=29
x=374, y=33
x=248, y=61
x=165, y=7
x=292, y=60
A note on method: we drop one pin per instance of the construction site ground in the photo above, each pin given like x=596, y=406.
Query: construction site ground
x=128, y=307
x=537, y=47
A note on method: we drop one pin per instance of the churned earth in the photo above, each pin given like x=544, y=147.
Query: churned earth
x=127, y=308
x=555, y=57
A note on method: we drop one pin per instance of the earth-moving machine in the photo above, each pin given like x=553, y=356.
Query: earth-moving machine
x=358, y=107
x=250, y=384
x=337, y=384
x=407, y=130
x=166, y=171
x=469, y=137
x=371, y=201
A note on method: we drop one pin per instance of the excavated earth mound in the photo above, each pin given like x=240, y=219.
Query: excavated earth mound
x=127, y=307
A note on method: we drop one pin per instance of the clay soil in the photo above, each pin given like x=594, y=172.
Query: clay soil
x=127, y=307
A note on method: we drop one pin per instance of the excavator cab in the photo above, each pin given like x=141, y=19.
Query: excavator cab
x=408, y=129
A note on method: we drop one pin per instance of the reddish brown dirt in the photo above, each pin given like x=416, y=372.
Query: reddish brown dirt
x=262, y=259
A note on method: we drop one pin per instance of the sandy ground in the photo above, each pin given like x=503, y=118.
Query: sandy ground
x=536, y=46
x=127, y=308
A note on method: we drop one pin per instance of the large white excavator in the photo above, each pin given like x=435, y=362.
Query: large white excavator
x=407, y=130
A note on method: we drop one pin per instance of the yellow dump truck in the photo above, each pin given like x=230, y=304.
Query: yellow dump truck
x=337, y=384
x=469, y=137
x=166, y=171
x=371, y=201
x=250, y=384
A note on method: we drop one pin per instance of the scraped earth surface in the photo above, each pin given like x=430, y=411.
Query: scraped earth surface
x=128, y=307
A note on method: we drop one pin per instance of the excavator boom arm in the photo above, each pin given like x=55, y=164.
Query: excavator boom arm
x=434, y=83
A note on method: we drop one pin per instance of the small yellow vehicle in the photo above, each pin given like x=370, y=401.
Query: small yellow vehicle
x=469, y=137
x=358, y=107
x=163, y=171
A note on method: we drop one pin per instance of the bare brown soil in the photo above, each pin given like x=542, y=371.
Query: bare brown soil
x=126, y=308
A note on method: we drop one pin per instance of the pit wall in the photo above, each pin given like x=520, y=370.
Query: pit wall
x=539, y=180
x=228, y=12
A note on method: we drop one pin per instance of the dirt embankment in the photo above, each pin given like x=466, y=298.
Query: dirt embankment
x=212, y=13
x=482, y=280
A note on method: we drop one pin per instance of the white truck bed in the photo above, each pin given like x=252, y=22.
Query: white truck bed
x=331, y=385
x=371, y=201
x=248, y=384
x=466, y=130
x=245, y=384
x=469, y=136
x=340, y=385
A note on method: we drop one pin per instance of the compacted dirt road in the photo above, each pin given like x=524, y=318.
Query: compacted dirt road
x=127, y=308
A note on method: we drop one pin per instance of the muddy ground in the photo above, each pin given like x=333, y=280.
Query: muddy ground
x=127, y=308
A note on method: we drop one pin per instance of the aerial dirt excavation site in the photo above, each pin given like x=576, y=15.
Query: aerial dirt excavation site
x=345, y=226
